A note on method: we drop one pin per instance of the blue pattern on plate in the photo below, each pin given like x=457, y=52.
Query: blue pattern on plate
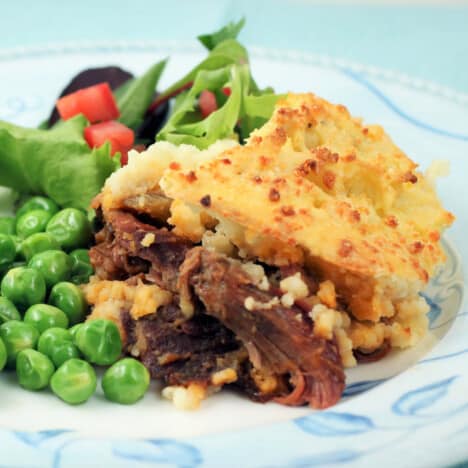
x=158, y=451
x=414, y=402
x=36, y=438
x=321, y=438
x=330, y=423
x=400, y=112
x=359, y=387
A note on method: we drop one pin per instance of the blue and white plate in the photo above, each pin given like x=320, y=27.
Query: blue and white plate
x=410, y=409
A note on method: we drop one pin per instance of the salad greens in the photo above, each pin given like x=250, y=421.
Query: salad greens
x=58, y=162
x=230, y=31
x=219, y=124
x=134, y=96
x=226, y=53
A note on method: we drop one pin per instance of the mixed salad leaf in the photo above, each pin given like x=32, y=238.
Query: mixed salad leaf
x=230, y=31
x=57, y=163
x=56, y=160
x=135, y=96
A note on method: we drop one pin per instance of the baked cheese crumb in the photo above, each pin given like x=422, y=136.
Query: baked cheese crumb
x=185, y=398
x=148, y=239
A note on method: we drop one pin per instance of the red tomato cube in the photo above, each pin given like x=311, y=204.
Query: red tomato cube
x=120, y=137
x=96, y=103
x=207, y=103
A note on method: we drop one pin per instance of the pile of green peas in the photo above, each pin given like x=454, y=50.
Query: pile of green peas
x=43, y=260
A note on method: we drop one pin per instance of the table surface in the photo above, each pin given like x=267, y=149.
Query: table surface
x=427, y=41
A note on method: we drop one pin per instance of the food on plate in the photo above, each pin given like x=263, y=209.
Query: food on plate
x=74, y=381
x=44, y=316
x=126, y=381
x=34, y=370
x=237, y=237
x=268, y=266
x=16, y=336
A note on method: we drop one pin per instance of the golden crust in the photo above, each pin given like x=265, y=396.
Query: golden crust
x=320, y=186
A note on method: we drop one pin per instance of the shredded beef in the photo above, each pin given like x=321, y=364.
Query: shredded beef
x=286, y=345
x=222, y=333
x=181, y=351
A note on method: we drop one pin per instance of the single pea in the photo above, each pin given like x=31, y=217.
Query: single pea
x=32, y=222
x=74, y=330
x=99, y=341
x=74, y=381
x=54, y=265
x=69, y=298
x=44, y=316
x=37, y=203
x=24, y=287
x=70, y=228
x=8, y=311
x=82, y=268
x=7, y=250
x=63, y=352
x=37, y=243
x=34, y=369
x=3, y=354
x=8, y=225
x=126, y=381
x=51, y=338
x=17, y=336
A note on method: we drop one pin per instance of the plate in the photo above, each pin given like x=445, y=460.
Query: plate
x=412, y=398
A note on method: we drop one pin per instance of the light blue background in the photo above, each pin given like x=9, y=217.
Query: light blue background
x=429, y=42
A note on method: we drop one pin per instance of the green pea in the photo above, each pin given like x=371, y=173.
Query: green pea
x=71, y=228
x=44, y=316
x=24, y=287
x=3, y=354
x=126, y=381
x=63, y=352
x=38, y=203
x=74, y=330
x=99, y=341
x=54, y=265
x=8, y=311
x=7, y=250
x=69, y=298
x=82, y=268
x=34, y=369
x=32, y=222
x=17, y=336
x=37, y=243
x=51, y=338
x=74, y=381
x=8, y=225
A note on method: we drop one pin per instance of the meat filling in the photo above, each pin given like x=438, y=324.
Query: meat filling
x=219, y=319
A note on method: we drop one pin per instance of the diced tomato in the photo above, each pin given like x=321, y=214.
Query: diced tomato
x=227, y=91
x=207, y=103
x=96, y=103
x=120, y=137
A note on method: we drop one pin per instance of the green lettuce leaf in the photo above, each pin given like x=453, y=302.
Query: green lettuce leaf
x=137, y=94
x=220, y=124
x=228, y=52
x=186, y=126
x=57, y=163
x=230, y=31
